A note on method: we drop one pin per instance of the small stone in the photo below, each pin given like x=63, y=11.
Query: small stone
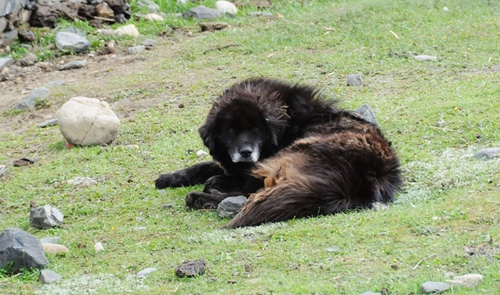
x=468, y=281
x=425, y=58
x=26, y=36
x=98, y=247
x=434, y=287
x=56, y=83
x=48, y=277
x=201, y=12
x=446, y=9
x=488, y=153
x=230, y=206
x=226, y=7
x=201, y=154
x=77, y=64
x=47, y=123
x=153, y=17
x=28, y=60
x=333, y=249
x=149, y=43
x=167, y=206
x=260, y=14
x=140, y=228
x=146, y=272
x=354, y=80
x=45, y=217
x=152, y=6
x=82, y=182
x=54, y=248
x=191, y=268
x=103, y=10
x=367, y=113
x=3, y=170
x=440, y=123
x=51, y=240
x=128, y=30
x=67, y=41
x=370, y=293
x=136, y=49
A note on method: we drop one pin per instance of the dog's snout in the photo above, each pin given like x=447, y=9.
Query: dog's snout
x=246, y=152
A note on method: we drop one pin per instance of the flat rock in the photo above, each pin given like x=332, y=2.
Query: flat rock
x=45, y=217
x=146, y=272
x=48, y=277
x=434, y=287
x=26, y=36
x=370, y=293
x=20, y=250
x=98, y=247
x=50, y=240
x=191, y=268
x=201, y=12
x=136, y=49
x=47, y=123
x=76, y=64
x=488, y=153
x=230, y=206
x=468, y=281
x=54, y=249
x=425, y=58
x=29, y=102
x=28, y=60
x=67, y=41
x=88, y=121
x=82, y=181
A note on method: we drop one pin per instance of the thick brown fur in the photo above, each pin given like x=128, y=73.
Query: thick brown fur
x=307, y=156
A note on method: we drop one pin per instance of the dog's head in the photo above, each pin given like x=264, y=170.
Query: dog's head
x=243, y=127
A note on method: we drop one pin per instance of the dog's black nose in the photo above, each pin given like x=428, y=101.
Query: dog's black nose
x=246, y=153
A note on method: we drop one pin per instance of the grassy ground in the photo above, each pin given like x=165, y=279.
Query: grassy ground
x=445, y=221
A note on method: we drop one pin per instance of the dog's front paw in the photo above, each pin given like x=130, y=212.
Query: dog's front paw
x=199, y=200
x=168, y=180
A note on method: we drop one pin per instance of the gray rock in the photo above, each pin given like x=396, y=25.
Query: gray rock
x=9, y=6
x=191, y=268
x=51, y=240
x=82, y=181
x=88, y=121
x=3, y=170
x=67, y=41
x=201, y=12
x=136, y=49
x=28, y=103
x=354, y=80
x=51, y=122
x=367, y=113
x=5, y=62
x=441, y=123
x=229, y=207
x=434, y=287
x=332, y=249
x=28, y=60
x=152, y=6
x=3, y=23
x=370, y=293
x=146, y=272
x=425, y=57
x=8, y=37
x=48, y=277
x=45, y=217
x=149, y=42
x=77, y=64
x=20, y=250
x=260, y=13
x=488, y=153
x=26, y=36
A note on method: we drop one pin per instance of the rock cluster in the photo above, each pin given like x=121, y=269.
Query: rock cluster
x=45, y=13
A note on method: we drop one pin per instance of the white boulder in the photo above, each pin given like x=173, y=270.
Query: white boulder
x=88, y=121
x=226, y=7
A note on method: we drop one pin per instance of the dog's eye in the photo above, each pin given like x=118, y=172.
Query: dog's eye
x=267, y=119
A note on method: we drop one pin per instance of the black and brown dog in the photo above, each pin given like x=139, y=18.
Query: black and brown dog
x=296, y=155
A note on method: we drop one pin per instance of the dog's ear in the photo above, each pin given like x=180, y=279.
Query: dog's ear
x=207, y=134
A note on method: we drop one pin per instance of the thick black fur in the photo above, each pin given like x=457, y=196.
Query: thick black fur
x=261, y=119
